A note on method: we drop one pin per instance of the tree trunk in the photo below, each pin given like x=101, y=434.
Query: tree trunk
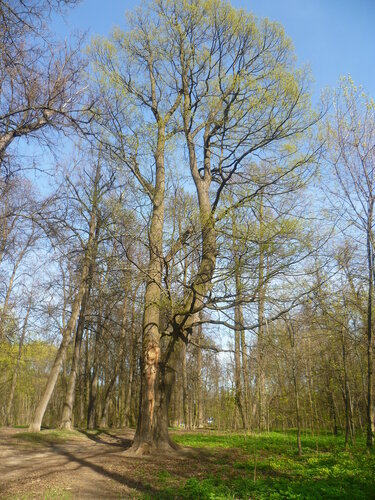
x=370, y=259
x=93, y=380
x=54, y=373
x=152, y=428
x=245, y=376
x=239, y=323
x=346, y=390
x=66, y=419
x=185, y=394
x=260, y=382
x=292, y=339
x=199, y=423
x=15, y=372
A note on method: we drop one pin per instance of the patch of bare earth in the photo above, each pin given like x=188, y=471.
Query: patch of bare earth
x=90, y=467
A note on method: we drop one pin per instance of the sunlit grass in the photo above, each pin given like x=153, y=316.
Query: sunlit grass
x=267, y=465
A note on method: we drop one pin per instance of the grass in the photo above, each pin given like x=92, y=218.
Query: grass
x=263, y=466
x=48, y=436
x=49, y=494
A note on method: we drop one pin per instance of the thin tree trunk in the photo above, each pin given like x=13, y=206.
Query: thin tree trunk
x=245, y=376
x=185, y=394
x=346, y=390
x=295, y=385
x=93, y=383
x=260, y=350
x=199, y=378
x=66, y=419
x=16, y=368
x=239, y=323
x=370, y=258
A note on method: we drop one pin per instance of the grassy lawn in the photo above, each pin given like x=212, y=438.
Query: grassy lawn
x=267, y=466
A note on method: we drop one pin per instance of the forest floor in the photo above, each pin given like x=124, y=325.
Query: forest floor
x=93, y=465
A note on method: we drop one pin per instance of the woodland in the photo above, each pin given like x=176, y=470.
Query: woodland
x=186, y=236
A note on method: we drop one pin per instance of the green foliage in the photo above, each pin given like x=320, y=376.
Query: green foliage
x=269, y=467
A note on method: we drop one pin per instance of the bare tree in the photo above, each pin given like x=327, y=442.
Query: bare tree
x=351, y=133
x=40, y=81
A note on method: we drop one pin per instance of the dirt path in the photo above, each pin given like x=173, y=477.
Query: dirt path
x=92, y=467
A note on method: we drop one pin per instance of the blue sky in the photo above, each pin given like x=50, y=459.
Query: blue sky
x=335, y=37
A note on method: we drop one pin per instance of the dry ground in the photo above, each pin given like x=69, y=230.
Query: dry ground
x=84, y=466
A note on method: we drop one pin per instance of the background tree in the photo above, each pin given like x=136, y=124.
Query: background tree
x=351, y=134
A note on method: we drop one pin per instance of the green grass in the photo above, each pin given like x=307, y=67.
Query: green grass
x=48, y=436
x=263, y=466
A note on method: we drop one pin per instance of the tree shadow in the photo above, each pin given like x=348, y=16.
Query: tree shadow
x=123, y=480
x=120, y=442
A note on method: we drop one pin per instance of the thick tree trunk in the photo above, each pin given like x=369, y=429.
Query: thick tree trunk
x=152, y=433
x=151, y=385
x=91, y=412
x=157, y=368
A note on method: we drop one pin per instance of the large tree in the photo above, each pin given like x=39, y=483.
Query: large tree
x=210, y=88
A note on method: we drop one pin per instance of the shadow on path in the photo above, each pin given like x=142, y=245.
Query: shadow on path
x=130, y=483
x=123, y=443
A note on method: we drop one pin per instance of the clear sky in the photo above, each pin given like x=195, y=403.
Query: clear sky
x=335, y=37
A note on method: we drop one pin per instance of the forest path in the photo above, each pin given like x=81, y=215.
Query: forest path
x=85, y=466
